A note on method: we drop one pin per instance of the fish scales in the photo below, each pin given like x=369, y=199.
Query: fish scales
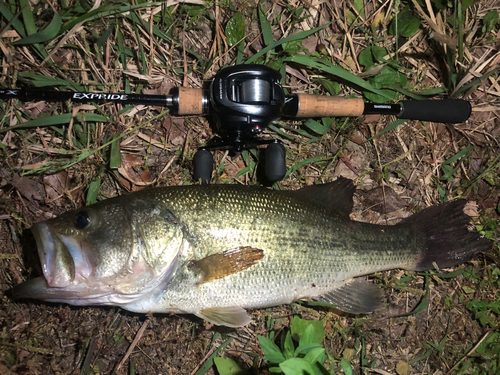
x=216, y=250
x=307, y=248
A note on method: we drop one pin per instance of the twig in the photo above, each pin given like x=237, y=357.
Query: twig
x=133, y=345
x=185, y=81
x=470, y=352
x=210, y=352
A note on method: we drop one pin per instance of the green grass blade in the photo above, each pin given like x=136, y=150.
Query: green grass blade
x=336, y=71
x=291, y=38
x=303, y=163
x=389, y=127
x=210, y=361
x=39, y=80
x=115, y=157
x=57, y=120
x=30, y=27
x=12, y=19
x=267, y=30
x=59, y=165
x=159, y=33
x=458, y=155
x=29, y=22
x=474, y=82
x=49, y=33
x=93, y=191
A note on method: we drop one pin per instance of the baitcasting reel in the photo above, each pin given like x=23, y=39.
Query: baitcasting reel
x=244, y=99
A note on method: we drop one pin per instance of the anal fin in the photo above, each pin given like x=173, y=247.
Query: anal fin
x=356, y=297
x=234, y=316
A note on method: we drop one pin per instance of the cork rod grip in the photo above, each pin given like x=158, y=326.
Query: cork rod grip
x=190, y=101
x=328, y=106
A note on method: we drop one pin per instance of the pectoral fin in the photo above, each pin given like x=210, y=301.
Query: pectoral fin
x=356, y=297
x=234, y=316
x=223, y=264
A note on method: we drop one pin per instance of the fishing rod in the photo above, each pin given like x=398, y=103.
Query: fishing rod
x=244, y=99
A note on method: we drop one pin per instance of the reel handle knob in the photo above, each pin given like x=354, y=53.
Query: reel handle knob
x=203, y=165
x=275, y=165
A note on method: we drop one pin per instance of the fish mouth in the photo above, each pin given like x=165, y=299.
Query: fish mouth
x=65, y=266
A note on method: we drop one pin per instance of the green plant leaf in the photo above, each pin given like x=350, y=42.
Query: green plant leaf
x=359, y=5
x=315, y=334
x=387, y=78
x=288, y=347
x=346, y=366
x=226, y=366
x=405, y=25
x=309, y=334
x=372, y=55
x=448, y=170
x=210, y=361
x=39, y=80
x=423, y=302
x=332, y=87
x=49, y=33
x=315, y=355
x=235, y=29
x=271, y=351
x=489, y=21
x=305, y=347
x=296, y=366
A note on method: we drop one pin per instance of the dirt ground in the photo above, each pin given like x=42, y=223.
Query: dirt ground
x=48, y=169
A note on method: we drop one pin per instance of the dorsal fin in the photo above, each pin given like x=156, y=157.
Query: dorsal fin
x=336, y=195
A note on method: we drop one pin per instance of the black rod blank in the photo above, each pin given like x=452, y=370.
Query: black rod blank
x=86, y=97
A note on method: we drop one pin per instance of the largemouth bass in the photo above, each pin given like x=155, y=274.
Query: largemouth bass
x=217, y=250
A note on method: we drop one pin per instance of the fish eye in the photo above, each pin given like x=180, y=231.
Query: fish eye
x=81, y=220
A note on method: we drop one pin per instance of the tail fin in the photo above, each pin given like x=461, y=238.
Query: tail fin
x=442, y=231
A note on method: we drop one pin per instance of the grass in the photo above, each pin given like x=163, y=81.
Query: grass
x=57, y=156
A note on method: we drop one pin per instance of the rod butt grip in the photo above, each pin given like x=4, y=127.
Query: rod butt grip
x=448, y=110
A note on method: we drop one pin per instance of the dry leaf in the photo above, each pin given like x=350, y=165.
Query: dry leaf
x=310, y=43
x=403, y=368
x=471, y=209
x=176, y=129
x=383, y=199
x=56, y=184
x=30, y=189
